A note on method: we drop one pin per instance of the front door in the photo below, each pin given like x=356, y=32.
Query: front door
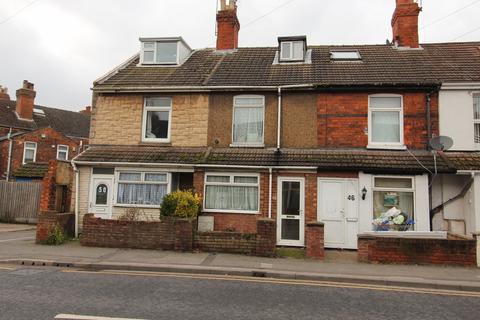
x=101, y=197
x=338, y=210
x=291, y=212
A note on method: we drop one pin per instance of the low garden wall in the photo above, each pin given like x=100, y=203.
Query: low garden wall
x=47, y=221
x=171, y=234
x=450, y=251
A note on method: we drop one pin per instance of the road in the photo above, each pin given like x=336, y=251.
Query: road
x=42, y=293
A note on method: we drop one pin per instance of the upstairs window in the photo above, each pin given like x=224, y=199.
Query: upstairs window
x=157, y=119
x=248, y=120
x=345, y=55
x=292, y=49
x=62, y=152
x=476, y=118
x=29, y=152
x=385, y=116
x=160, y=53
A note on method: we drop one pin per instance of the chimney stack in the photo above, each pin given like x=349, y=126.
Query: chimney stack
x=405, y=23
x=25, y=101
x=87, y=111
x=4, y=93
x=228, y=25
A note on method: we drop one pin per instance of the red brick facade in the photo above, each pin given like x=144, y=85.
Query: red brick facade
x=47, y=221
x=417, y=251
x=47, y=140
x=342, y=119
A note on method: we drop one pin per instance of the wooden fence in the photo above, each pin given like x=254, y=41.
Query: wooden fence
x=19, y=201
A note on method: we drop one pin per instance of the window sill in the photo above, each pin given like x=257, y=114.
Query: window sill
x=230, y=212
x=234, y=145
x=156, y=143
x=386, y=147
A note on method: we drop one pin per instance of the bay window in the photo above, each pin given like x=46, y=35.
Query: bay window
x=393, y=204
x=476, y=119
x=142, y=188
x=385, y=114
x=29, y=152
x=248, y=120
x=157, y=119
x=232, y=193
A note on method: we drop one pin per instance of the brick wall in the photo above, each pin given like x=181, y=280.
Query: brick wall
x=166, y=235
x=50, y=198
x=189, y=120
x=47, y=221
x=417, y=251
x=314, y=240
x=226, y=242
x=342, y=119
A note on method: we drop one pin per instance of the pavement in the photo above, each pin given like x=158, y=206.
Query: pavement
x=19, y=248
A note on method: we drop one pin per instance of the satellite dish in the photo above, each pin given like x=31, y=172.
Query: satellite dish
x=441, y=143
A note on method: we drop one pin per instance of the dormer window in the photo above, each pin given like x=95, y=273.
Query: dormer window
x=164, y=51
x=345, y=55
x=292, y=49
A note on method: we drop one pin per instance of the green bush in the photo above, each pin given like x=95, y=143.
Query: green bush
x=181, y=204
x=56, y=236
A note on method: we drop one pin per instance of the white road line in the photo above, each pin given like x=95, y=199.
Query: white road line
x=17, y=239
x=78, y=317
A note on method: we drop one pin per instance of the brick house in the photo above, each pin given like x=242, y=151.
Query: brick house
x=297, y=133
x=31, y=136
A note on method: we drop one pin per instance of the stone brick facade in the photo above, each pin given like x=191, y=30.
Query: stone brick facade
x=117, y=120
x=417, y=251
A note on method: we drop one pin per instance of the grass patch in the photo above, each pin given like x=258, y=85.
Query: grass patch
x=294, y=253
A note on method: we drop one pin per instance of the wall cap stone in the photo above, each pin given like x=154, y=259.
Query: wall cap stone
x=315, y=224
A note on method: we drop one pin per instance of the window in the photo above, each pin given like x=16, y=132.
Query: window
x=160, y=52
x=29, y=152
x=231, y=193
x=292, y=50
x=345, y=55
x=142, y=188
x=476, y=118
x=393, y=204
x=248, y=122
x=62, y=152
x=157, y=119
x=385, y=122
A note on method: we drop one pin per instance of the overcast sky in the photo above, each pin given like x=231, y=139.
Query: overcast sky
x=64, y=45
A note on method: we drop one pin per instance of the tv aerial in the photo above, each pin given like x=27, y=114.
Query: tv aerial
x=441, y=143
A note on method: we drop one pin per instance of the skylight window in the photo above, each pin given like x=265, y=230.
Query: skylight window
x=39, y=111
x=345, y=55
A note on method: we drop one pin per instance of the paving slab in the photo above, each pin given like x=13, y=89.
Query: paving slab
x=12, y=227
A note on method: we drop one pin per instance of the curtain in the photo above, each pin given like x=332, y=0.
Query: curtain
x=231, y=198
x=146, y=194
x=386, y=126
x=248, y=126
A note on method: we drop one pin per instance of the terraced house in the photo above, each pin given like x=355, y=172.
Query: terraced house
x=298, y=132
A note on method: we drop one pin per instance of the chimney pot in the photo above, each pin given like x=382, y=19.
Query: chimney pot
x=228, y=25
x=4, y=93
x=25, y=101
x=405, y=23
x=87, y=111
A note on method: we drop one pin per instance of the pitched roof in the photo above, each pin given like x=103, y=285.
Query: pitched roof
x=31, y=170
x=343, y=159
x=464, y=160
x=71, y=124
x=380, y=65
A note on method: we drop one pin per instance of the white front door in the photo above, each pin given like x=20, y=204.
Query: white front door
x=291, y=212
x=101, y=192
x=338, y=210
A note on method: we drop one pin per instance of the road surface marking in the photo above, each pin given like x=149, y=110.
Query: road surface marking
x=7, y=268
x=284, y=282
x=78, y=317
x=17, y=239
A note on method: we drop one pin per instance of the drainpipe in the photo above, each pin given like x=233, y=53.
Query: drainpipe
x=10, y=150
x=270, y=193
x=429, y=118
x=279, y=117
x=77, y=183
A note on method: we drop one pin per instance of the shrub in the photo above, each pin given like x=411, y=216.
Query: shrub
x=181, y=204
x=134, y=214
x=56, y=236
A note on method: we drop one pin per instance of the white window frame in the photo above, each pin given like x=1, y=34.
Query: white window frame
x=144, y=120
x=248, y=144
x=412, y=190
x=382, y=145
x=291, y=57
x=25, y=148
x=475, y=121
x=117, y=181
x=177, y=62
x=58, y=151
x=232, y=175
